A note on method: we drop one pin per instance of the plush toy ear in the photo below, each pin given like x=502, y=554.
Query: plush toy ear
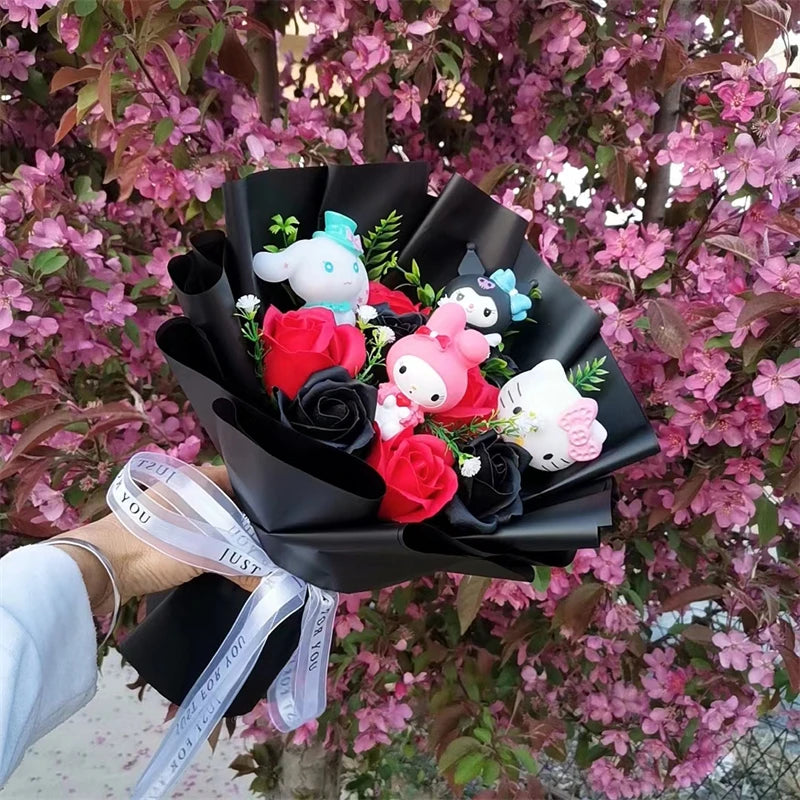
x=276, y=267
x=548, y=370
x=473, y=347
x=471, y=263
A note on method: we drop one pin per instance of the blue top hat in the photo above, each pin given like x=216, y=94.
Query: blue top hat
x=342, y=230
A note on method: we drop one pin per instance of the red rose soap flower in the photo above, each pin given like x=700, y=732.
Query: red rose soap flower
x=478, y=402
x=419, y=475
x=299, y=343
x=397, y=301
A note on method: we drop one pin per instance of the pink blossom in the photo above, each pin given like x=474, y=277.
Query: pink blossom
x=14, y=63
x=738, y=100
x=709, y=375
x=744, y=469
x=110, y=308
x=720, y=712
x=11, y=296
x=407, y=102
x=24, y=11
x=49, y=502
x=762, y=668
x=778, y=384
x=608, y=566
x=645, y=258
x=47, y=233
x=470, y=18
x=783, y=168
x=375, y=724
x=734, y=649
x=619, y=740
x=201, y=181
x=778, y=274
x=731, y=503
x=550, y=155
x=69, y=29
x=746, y=164
x=368, y=53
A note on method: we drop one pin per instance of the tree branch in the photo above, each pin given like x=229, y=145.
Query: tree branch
x=265, y=59
x=376, y=141
x=657, y=192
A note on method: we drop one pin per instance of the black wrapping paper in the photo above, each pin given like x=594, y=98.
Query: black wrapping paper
x=314, y=506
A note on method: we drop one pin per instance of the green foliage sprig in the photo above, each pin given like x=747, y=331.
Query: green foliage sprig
x=587, y=378
x=496, y=367
x=379, y=257
x=377, y=337
x=287, y=228
x=455, y=437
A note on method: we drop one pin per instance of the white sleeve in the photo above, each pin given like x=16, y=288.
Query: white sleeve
x=48, y=651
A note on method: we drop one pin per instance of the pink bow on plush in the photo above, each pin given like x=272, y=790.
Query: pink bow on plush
x=441, y=339
x=577, y=422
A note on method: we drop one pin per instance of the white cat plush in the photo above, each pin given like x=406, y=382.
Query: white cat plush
x=558, y=426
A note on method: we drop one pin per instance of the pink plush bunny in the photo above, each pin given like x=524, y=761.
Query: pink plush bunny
x=428, y=370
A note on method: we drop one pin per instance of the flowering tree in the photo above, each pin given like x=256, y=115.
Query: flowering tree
x=121, y=120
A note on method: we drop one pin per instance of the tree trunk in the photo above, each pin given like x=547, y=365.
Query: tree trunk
x=307, y=773
x=376, y=142
x=265, y=59
x=657, y=191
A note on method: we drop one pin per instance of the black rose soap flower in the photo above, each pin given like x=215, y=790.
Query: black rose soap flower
x=332, y=407
x=490, y=496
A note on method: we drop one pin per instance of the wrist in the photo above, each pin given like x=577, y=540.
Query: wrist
x=95, y=577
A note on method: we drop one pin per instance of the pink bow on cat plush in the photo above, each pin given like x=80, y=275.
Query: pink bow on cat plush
x=577, y=422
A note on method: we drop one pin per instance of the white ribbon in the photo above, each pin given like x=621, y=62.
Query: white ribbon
x=207, y=530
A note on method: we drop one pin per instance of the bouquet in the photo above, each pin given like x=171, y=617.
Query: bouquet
x=397, y=385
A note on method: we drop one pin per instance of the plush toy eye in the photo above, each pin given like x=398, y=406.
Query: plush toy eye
x=355, y=266
x=487, y=312
x=459, y=296
x=434, y=398
x=547, y=456
x=402, y=370
x=516, y=410
x=328, y=266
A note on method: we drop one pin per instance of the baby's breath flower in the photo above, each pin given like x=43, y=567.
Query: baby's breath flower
x=366, y=313
x=383, y=335
x=248, y=304
x=469, y=466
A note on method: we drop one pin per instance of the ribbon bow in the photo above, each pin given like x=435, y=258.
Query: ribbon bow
x=577, y=422
x=443, y=340
x=198, y=524
x=520, y=303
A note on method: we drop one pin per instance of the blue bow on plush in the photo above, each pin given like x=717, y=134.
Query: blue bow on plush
x=520, y=303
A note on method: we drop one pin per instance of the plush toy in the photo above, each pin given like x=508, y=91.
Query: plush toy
x=492, y=302
x=557, y=425
x=326, y=270
x=428, y=370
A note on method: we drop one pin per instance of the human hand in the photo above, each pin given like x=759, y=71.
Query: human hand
x=139, y=568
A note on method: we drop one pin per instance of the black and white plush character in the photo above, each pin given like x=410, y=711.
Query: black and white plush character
x=492, y=302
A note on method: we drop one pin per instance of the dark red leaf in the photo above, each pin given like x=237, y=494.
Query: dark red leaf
x=234, y=59
x=792, y=664
x=667, y=327
x=69, y=120
x=576, y=610
x=763, y=21
x=27, y=404
x=692, y=594
x=670, y=67
x=710, y=64
x=763, y=304
x=66, y=76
